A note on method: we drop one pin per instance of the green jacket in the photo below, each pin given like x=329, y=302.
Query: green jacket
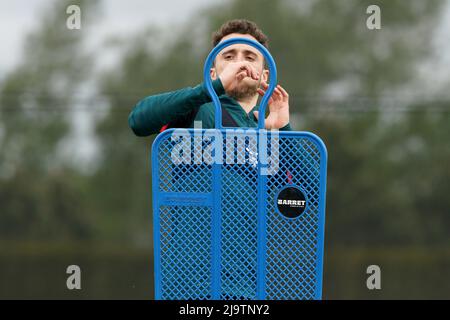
x=182, y=107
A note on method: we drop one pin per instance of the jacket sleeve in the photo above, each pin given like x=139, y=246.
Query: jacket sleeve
x=286, y=128
x=153, y=112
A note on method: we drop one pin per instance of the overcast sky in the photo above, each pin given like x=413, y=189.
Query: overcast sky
x=18, y=17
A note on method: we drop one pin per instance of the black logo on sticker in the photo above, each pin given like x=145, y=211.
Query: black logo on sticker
x=291, y=202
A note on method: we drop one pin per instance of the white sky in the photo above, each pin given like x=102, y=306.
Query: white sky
x=18, y=17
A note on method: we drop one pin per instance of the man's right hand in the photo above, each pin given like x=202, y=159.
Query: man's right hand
x=234, y=72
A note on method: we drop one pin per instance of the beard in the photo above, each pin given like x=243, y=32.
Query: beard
x=247, y=88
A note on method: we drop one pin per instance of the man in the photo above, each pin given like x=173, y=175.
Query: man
x=239, y=77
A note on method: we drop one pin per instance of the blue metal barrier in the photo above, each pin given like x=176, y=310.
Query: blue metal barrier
x=232, y=230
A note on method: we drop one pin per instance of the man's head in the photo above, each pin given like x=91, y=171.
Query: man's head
x=247, y=87
x=240, y=26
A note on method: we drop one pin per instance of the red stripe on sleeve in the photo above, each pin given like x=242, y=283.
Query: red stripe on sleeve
x=164, y=127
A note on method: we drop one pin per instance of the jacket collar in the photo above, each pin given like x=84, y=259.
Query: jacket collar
x=234, y=105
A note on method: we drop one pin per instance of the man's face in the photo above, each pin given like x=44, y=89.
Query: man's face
x=247, y=87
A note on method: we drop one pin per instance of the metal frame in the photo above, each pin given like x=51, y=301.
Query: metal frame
x=213, y=199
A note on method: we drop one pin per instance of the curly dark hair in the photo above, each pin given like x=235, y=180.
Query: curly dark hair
x=241, y=26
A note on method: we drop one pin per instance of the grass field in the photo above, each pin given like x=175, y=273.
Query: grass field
x=31, y=271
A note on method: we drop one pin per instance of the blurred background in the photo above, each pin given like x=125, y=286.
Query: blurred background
x=75, y=183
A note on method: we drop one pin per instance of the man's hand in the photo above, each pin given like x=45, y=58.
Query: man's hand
x=278, y=107
x=234, y=72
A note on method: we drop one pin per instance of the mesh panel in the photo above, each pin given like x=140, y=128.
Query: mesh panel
x=185, y=252
x=291, y=245
x=238, y=224
x=290, y=256
x=183, y=177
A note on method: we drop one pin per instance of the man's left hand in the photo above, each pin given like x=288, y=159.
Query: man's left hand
x=278, y=107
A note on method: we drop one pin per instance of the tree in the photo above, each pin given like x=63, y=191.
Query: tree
x=331, y=65
x=38, y=190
